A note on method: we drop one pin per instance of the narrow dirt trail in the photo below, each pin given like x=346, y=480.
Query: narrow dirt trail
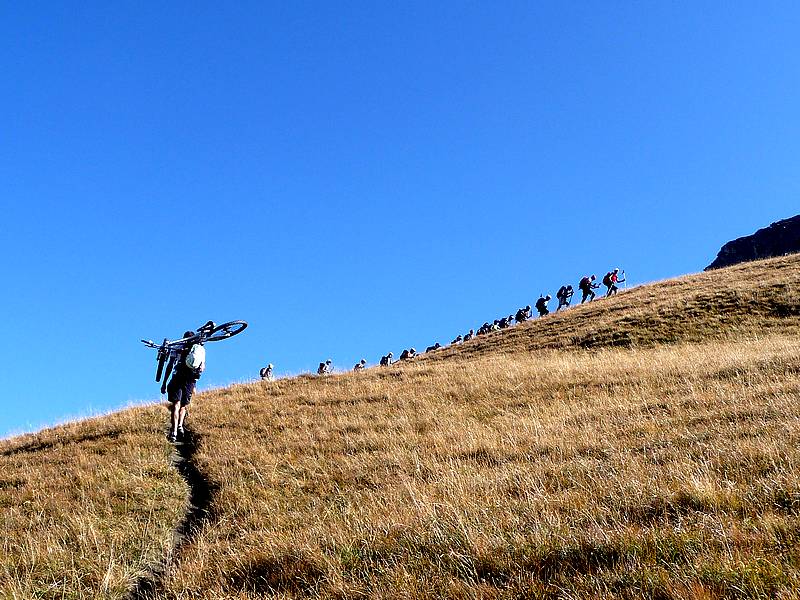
x=201, y=491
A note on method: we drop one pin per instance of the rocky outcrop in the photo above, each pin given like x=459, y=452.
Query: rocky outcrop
x=778, y=239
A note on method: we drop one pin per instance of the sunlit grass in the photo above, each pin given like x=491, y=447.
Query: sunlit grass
x=86, y=508
x=615, y=473
x=643, y=446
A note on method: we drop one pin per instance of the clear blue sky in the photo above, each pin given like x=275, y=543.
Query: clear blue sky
x=358, y=177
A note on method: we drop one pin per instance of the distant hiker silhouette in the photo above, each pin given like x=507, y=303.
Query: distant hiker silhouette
x=266, y=373
x=406, y=354
x=587, y=287
x=541, y=305
x=610, y=281
x=564, y=296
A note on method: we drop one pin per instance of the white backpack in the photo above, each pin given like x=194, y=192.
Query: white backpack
x=196, y=359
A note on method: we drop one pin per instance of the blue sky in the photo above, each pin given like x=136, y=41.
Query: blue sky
x=353, y=178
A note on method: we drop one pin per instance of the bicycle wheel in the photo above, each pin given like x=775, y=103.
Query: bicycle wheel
x=161, y=357
x=167, y=372
x=161, y=360
x=226, y=330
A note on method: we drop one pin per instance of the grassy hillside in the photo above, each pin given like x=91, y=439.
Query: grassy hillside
x=746, y=300
x=86, y=508
x=645, y=445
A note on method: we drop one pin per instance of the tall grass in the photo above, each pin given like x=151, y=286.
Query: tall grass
x=614, y=473
x=86, y=508
x=642, y=446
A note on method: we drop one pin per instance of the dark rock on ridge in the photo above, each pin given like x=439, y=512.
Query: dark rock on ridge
x=778, y=239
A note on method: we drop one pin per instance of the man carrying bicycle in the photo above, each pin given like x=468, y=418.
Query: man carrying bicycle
x=190, y=365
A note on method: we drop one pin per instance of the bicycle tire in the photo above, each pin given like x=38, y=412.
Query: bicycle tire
x=162, y=358
x=170, y=366
x=226, y=330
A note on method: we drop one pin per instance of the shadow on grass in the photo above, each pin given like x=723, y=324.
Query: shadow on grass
x=294, y=573
x=201, y=491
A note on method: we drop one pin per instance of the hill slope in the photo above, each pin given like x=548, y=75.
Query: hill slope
x=645, y=444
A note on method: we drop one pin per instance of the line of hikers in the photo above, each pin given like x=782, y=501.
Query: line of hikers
x=587, y=286
x=564, y=296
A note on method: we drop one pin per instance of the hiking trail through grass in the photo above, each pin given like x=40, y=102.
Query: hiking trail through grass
x=201, y=491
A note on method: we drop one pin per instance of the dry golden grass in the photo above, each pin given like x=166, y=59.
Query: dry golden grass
x=612, y=474
x=643, y=446
x=743, y=301
x=86, y=508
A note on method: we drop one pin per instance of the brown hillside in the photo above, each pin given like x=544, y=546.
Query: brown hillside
x=524, y=465
x=85, y=507
x=661, y=462
x=743, y=301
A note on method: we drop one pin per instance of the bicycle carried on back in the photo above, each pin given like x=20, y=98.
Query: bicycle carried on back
x=170, y=350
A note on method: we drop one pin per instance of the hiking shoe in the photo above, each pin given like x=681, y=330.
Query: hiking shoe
x=181, y=431
x=172, y=439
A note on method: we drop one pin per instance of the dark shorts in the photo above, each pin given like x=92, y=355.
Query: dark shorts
x=180, y=391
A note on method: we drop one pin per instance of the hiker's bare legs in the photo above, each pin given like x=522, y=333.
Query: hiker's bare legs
x=176, y=417
x=182, y=416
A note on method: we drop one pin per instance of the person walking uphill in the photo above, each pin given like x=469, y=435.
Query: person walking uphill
x=587, y=286
x=610, y=281
x=541, y=305
x=408, y=354
x=266, y=373
x=190, y=365
x=564, y=296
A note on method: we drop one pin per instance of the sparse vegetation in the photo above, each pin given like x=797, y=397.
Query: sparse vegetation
x=643, y=446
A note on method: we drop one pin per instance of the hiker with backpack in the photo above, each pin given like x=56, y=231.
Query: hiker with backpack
x=523, y=314
x=564, y=296
x=610, y=281
x=587, y=286
x=266, y=373
x=190, y=365
x=386, y=360
x=406, y=354
x=360, y=366
x=541, y=305
x=325, y=368
x=470, y=335
x=433, y=348
x=458, y=340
